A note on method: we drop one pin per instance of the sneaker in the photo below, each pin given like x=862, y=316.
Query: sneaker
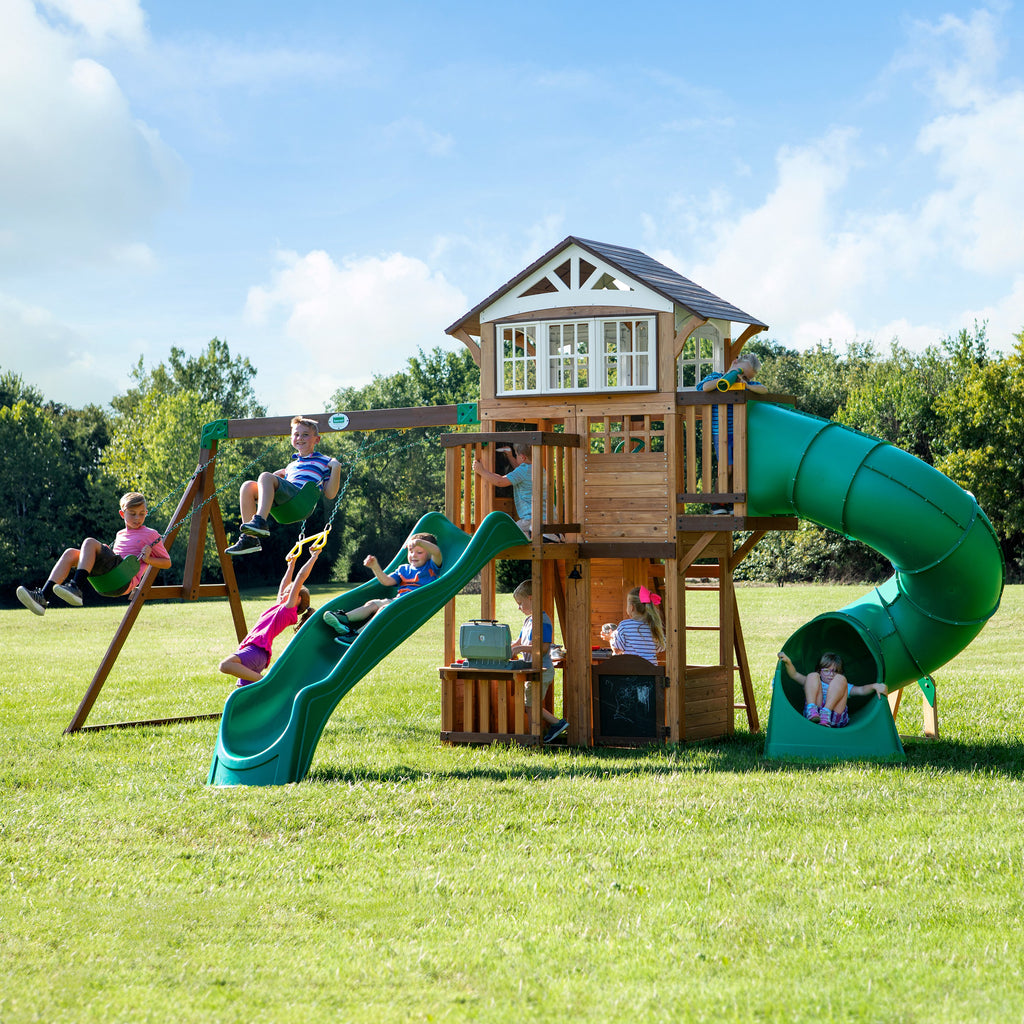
x=556, y=730
x=812, y=712
x=244, y=546
x=719, y=510
x=338, y=621
x=841, y=721
x=826, y=718
x=33, y=600
x=68, y=593
x=256, y=527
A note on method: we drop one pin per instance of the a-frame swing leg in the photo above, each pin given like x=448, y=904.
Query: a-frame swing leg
x=193, y=492
x=209, y=513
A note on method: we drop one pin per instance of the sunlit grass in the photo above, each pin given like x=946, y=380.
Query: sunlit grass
x=407, y=881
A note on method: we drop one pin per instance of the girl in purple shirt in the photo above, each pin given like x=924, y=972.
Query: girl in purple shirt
x=254, y=652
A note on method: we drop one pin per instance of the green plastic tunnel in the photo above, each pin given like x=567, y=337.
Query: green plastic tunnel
x=948, y=577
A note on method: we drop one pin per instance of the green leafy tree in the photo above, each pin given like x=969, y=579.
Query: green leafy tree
x=983, y=413
x=895, y=398
x=30, y=477
x=154, y=444
x=392, y=477
x=50, y=466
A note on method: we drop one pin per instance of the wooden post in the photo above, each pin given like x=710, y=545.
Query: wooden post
x=576, y=674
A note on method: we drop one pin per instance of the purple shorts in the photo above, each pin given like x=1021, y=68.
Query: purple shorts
x=252, y=657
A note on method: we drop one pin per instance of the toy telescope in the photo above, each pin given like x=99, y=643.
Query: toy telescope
x=726, y=382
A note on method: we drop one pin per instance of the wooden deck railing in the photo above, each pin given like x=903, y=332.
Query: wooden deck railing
x=469, y=497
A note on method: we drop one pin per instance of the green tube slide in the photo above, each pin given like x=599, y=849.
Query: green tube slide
x=948, y=577
x=270, y=729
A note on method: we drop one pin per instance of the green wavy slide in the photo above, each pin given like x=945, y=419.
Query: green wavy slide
x=270, y=729
x=947, y=580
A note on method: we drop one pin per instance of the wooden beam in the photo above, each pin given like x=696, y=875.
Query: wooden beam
x=696, y=550
x=470, y=342
x=530, y=437
x=359, y=419
x=692, y=323
x=737, y=346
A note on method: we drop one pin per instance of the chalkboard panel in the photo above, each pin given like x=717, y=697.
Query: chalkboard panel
x=629, y=702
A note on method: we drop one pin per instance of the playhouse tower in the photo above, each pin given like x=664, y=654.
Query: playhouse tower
x=590, y=355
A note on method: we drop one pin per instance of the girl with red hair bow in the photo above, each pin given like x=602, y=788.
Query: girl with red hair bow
x=641, y=632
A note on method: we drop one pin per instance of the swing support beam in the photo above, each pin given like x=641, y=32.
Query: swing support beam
x=200, y=506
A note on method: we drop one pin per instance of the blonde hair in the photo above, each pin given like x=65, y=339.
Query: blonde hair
x=525, y=589
x=132, y=498
x=751, y=359
x=305, y=421
x=303, y=607
x=648, y=613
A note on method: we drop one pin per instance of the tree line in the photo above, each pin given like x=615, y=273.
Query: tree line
x=956, y=405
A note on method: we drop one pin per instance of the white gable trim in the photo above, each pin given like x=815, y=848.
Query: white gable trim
x=576, y=293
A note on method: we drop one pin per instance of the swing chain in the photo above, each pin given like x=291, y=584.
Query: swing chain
x=200, y=469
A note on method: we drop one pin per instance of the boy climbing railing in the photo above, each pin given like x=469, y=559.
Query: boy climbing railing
x=476, y=463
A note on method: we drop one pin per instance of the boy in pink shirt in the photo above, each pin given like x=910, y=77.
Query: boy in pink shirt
x=94, y=558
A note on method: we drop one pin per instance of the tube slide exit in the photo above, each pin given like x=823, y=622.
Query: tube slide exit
x=948, y=577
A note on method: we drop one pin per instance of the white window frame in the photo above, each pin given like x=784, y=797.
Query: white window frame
x=703, y=362
x=519, y=366
x=587, y=366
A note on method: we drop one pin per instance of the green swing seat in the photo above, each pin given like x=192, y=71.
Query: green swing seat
x=116, y=581
x=298, y=506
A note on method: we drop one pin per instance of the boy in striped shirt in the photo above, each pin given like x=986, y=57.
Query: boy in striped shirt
x=255, y=497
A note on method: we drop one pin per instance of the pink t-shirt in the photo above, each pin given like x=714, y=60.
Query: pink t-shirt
x=131, y=542
x=275, y=619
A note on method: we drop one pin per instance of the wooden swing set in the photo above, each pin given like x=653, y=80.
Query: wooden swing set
x=199, y=509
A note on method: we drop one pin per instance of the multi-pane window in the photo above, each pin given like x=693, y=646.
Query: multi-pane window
x=518, y=358
x=569, y=356
x=697, y=359
x=601, y=354
x=627, y=353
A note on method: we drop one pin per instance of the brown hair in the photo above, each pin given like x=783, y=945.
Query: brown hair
x=429, y=537
x=646, y=613
x=830, y=658
x=132, y=498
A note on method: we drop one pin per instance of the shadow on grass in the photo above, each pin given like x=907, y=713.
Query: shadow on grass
x=738, y=754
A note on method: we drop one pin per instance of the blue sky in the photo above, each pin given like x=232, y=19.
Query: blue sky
x=328, y=185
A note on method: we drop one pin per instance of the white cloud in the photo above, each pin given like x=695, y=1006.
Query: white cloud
x=79, y=175
x=347, y=323
x=816, y=267
x=980, y=152
x=53, y=357
x=789, y=256
x=102, y=19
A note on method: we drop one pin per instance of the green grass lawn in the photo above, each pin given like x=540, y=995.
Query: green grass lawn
x=406, y=881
